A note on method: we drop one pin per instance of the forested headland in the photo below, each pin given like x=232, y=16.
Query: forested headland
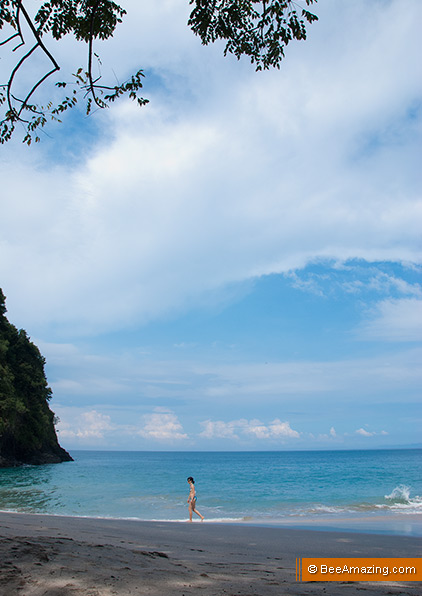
x=27, y=431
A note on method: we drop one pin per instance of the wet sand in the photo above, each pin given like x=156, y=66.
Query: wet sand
x=63, y=556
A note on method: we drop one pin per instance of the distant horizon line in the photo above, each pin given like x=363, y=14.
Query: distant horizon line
x=394, y=448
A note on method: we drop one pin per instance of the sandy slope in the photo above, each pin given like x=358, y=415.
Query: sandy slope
x=58, y=556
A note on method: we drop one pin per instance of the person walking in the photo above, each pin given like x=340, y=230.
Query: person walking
x=192, y=500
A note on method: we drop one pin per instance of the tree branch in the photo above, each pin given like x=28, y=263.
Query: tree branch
x=92, y=86
x=39, y=43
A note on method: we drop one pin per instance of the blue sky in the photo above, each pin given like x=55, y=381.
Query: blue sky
x=236, y=265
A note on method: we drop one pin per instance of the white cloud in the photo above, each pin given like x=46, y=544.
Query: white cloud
x=307, y=285
x=217, y=429
x=354, y=278
x=282, y=429
x=277, y=381
x=383, y=282
x=364, y=433
x=226, y=176
x=133, y=377
x=335, y=438
x=230, y=175
x=394, y=320
x=257, y=429
x=234, y=429
x=163, y=425
x=77, y=427
x=89, y=425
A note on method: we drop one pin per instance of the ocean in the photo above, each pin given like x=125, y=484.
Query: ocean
x=376, y=491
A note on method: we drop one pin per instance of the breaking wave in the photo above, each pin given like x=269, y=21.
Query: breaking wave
x=400, y=500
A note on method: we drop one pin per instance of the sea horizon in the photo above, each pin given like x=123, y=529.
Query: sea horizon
x=295, y=450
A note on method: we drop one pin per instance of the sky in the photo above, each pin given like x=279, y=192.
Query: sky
x=236, y=265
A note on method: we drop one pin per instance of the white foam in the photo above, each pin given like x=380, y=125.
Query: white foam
x=401, y=494
x=327, y=509
x=227, y=520
x=399, y=500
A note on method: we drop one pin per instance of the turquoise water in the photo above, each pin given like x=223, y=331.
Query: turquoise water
x=256, y=487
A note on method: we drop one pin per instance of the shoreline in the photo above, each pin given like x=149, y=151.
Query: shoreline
x=386, y=524
x=76, y=556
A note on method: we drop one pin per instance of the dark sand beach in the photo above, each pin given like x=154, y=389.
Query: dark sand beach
x=44, y=555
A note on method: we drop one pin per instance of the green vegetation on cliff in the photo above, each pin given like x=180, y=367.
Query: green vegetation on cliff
x=27, y=433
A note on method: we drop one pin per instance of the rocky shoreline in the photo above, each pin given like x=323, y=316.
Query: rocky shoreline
x=38, y=458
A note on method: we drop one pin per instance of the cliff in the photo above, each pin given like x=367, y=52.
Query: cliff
x=27, y=432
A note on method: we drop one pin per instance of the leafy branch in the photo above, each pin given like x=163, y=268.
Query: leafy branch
x=258, y=29
x=87, y=20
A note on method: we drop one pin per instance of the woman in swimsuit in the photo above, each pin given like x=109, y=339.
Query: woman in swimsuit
x=192, y=500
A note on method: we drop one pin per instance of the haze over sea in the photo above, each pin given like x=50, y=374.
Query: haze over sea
x=374, y=490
